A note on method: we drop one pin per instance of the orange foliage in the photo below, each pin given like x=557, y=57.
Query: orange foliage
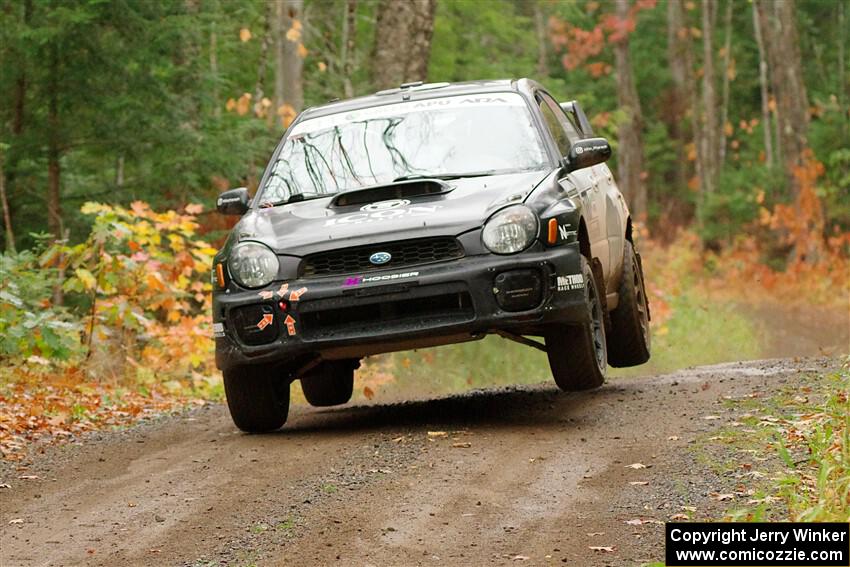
x=581, y=45
x=38, y=409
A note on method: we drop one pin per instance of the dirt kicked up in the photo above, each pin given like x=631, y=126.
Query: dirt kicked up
x=490, y=477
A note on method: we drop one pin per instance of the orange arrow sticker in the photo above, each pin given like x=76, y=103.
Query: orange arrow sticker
x=266, y=294
x=265, y=321
x=290, y=325
x=296, y=295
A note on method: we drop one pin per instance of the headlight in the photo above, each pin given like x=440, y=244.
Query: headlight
x=511, y=230
x=252, y=265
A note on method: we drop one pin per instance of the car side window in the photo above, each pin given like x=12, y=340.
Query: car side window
x=566, y=120
x=555, y=126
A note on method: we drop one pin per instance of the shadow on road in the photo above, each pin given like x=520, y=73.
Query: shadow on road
x=509, y=407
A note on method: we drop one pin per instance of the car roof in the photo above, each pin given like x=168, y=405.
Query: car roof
x=421, y=91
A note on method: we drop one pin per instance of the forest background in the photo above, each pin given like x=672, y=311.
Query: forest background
x=122, y=120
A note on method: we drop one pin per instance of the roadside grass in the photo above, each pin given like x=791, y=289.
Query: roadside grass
x=789, y=453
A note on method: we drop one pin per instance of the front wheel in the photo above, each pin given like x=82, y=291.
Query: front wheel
x=257, y=397
x=330, y=383
x=578, y=354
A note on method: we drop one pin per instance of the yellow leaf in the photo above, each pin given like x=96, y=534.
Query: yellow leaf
x=244, y=35
x=302, y=51
x=287, y=114
x=243, y=105
x=231, y=104
x=293, y=34
x=322, y=66
x=86, y=278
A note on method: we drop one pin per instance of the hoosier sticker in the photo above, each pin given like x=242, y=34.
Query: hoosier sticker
x=567, y=283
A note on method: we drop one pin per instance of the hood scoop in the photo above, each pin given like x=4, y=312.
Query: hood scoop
x=400, y=190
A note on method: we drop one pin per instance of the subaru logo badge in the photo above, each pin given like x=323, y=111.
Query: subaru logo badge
x=384, y=205
x=379, y=258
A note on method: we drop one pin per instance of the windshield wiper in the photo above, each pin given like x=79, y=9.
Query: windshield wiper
x=295, y=198
x=447, y=176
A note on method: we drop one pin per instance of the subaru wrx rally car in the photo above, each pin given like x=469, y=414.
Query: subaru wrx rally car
x=419, y=216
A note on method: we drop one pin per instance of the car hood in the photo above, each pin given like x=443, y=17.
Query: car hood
x=311, y=226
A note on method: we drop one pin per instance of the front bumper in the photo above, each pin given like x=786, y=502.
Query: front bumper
x=394, y=309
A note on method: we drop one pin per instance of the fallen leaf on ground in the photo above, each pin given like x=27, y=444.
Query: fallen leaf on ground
x=711, y=417
x=462, y=445
x=4, y=485
x=16, y=521
x=437, y=434
x=722, y=497
x=639, y=482
x=605, y=548
x=520, y=558
x=28, y=477
x=593, y=534
x=673, y=438
x=679, y=517
x=636, y=466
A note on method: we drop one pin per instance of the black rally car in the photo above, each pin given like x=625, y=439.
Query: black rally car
x=419, y=216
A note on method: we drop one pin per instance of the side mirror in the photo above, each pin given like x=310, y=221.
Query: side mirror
x=588, y=152
x=233, y=202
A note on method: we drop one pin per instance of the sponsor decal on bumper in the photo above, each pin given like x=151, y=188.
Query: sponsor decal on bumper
x=568, y=283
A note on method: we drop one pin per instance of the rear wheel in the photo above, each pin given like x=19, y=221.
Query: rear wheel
x=330, y=383
x=577, y=354
x=257, y=396
x=630, y=338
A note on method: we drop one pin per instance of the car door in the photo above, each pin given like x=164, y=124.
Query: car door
x=614, y=205
x=587, y=180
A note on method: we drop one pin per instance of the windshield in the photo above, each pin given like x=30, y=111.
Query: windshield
x=449, y=137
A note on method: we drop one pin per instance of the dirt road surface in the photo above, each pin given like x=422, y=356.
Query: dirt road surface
x=494, y=477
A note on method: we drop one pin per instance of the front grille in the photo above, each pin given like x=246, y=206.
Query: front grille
x=404, y=253
x=414, y=310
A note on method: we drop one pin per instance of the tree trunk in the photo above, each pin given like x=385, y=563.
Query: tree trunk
x=778, y=23
x=349, y=38
x=727, y=70
x=679, y=57
x=630, y=151
x=288, y=85
x=7, y=216
x=402, y=41
x=540, y=29
x=786, y=75
x=842, y=74
x=214, y=70
x=259, y=88
x=765, y=96
x=54, y=206
x=709, y=144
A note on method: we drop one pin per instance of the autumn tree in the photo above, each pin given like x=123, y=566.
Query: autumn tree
x=680, y=111
x=403, y=32
x=630, y=145
x=778, y=25
x=289, y=55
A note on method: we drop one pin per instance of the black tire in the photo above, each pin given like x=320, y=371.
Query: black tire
x=330, y=383
x=630, y=340
x=257, y=396
x=577, y=353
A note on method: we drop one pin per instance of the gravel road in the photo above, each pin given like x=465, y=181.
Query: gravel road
x=492, y=477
